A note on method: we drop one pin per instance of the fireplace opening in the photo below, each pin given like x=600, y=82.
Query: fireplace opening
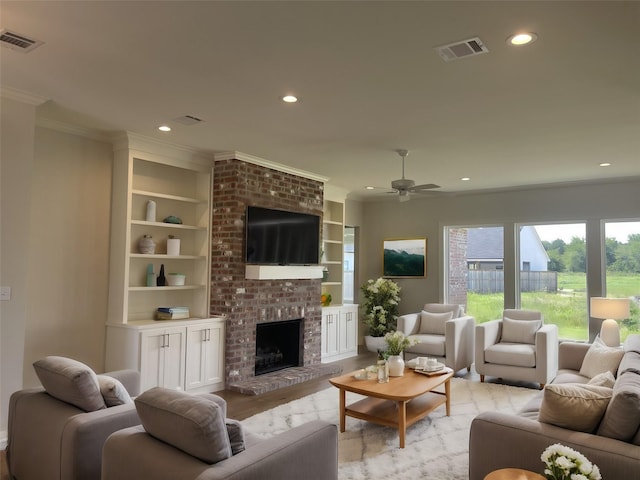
x=278, y=346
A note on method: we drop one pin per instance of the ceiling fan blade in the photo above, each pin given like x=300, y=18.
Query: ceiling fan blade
x=425, y=186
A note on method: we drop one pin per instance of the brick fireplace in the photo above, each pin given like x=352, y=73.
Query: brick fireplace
x=247, y=303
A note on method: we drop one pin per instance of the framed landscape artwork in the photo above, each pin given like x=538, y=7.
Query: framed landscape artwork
x=404, y=257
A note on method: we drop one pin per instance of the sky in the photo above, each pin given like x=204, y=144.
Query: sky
x=618, y=230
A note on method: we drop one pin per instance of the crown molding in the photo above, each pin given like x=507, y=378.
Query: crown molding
x=72, y=129
x=232, y=155
x=22, y=96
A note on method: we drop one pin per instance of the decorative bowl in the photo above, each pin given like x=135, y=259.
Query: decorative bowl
x=175, y=279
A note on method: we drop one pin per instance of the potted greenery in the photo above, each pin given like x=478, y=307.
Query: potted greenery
x=381, y=298
x=396, y=344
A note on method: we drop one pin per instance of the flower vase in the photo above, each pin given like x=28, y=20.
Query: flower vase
x=396, y=365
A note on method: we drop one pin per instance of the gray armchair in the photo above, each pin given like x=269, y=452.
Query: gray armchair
x=442, y=331
x=519, y=347
x=51, y=438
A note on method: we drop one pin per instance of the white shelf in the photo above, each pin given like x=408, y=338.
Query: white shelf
x=165, y=196
x=282, y=272
x=179, y=226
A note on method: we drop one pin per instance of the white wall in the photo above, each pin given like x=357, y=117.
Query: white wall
x=424, y=217
x=16, y=160
x=56, y=197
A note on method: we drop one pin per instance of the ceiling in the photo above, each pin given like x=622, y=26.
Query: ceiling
x=368, y=80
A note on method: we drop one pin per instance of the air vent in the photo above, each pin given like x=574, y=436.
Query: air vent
x=188, y=120
x=16, y=41
x=465, y=48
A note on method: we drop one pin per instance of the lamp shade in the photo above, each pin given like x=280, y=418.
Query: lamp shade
x=614, y=308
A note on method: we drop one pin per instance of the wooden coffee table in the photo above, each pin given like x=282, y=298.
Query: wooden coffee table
x=400, y=403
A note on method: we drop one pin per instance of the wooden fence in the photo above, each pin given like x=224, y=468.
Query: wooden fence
x=492, y=281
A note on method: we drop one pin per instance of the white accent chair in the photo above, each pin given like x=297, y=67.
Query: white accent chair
x=520, y=346
x=443, y=331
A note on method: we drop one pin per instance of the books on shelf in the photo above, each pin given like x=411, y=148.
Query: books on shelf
x=172, y=313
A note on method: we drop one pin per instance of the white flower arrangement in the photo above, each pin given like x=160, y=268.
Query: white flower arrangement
x=397, y=342
x=381, y=305
x=564, y=463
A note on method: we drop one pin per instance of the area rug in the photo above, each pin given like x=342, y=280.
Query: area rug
x=437, y=447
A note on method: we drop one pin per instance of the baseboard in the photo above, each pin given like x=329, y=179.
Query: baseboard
x=3, y=439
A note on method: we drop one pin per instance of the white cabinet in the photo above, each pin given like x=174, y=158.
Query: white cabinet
x=179, y=354
x=204, y=364
x=162, y=358
x=176, y=354
x=339, y=332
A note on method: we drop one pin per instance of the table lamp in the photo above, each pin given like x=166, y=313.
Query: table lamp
x=610, y=309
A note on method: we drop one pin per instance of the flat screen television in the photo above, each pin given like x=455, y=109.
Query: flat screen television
x=279, y=237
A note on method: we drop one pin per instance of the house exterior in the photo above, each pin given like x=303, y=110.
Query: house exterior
x=485, y=249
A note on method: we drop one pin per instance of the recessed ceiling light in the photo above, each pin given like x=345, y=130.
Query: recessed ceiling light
x=290, y=99
x=369, y=188
x=465, y=179
x=605, y=164
x=522, y=38
x=164, y=128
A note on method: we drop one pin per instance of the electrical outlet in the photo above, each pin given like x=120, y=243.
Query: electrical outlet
x=5, y=293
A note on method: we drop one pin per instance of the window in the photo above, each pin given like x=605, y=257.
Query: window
x=553, y=276
x=475, y=276
x=622, y=259
x=349, y=264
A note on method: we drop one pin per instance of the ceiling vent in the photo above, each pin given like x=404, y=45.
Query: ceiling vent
x=462, y=49
x=16, y=41
x=188, y=120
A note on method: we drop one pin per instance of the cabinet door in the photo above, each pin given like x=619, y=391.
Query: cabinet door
x=204, y=355
x=151, y=358
x=162, y=357
x=330, y=319
x=174, y=359
x=349, y=329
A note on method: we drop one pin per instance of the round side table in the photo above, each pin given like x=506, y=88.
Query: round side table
x=513, y=474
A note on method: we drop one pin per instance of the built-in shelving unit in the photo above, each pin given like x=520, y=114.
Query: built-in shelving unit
x=178, y=180
x=332, y=247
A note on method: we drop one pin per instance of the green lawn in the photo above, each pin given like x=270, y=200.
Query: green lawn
x=567, y=308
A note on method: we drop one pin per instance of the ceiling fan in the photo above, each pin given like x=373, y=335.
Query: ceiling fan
x=405, y=186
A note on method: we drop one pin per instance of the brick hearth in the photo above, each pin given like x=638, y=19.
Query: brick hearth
x=248, y=302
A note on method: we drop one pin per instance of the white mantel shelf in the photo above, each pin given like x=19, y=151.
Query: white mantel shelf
x=282, y=272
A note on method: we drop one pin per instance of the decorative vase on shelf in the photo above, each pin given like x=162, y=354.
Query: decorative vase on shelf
x=147, y=245
x=161, y=281
x=151, y=211
x=396, y=365
x=173, y=246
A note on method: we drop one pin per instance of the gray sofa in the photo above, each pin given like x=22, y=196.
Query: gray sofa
x=54, y=439
x=183, y=437
x=499, y=440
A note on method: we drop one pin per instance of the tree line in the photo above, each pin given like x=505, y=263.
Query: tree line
x=572, y=256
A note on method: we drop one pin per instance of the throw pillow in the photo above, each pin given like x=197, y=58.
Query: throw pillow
x=622, y=418
x=70, y=381
x=604, y=379
x=190, y=423
x=575, y=406
x=236, y=435
x=433, y=323
x=519, y=331
x=600, y=358
x=112, y=391
x=456, y=310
